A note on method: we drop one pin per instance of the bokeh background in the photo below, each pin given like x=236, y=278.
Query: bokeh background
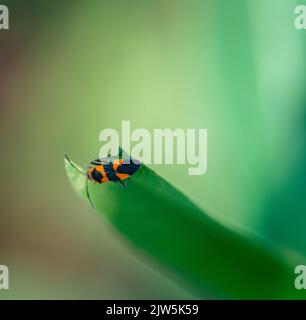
x=68, y=69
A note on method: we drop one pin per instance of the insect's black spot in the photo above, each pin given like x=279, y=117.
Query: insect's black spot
x=96, y=175
x=128, y=168
x=111, y=174
x=108, y=167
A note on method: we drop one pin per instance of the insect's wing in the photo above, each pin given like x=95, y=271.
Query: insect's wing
x=100, y=161
x=108, y=168
x=109, y=158
x=128, y=168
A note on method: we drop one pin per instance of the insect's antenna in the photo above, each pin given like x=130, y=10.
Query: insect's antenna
x=87, y=193
x=73, y=165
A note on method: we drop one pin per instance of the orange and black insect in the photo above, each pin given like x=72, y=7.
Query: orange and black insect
x=109, y=170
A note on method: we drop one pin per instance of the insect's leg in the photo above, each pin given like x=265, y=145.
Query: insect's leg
x=120, y=153
x=119, y=156
x=87, y=193
x=125, y=182
x=123, y=185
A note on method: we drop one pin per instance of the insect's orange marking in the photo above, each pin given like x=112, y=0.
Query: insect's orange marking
x=122, y=176
x=101, y=169
x=117, y=163
x=104, y=179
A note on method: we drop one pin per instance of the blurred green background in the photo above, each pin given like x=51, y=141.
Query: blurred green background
x=68, y=69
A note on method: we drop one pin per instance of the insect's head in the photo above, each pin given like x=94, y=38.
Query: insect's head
x=89, y=174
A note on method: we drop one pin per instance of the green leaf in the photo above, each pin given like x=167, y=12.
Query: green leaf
x=203, y=255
